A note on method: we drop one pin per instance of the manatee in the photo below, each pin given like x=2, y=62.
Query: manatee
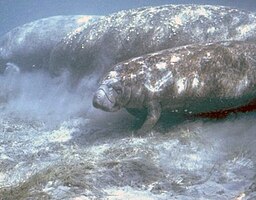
x=29, y=46
x=187, y=80
x=131, y=33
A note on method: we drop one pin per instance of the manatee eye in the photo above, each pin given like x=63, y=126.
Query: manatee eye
x=118, y=89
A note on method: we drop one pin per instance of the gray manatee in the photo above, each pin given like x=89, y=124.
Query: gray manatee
x=29, y=46
x=131, y=33
x=187, y=80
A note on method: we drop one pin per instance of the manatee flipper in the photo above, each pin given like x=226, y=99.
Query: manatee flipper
x=154, y=113
x=140, y=116
x=138, y=113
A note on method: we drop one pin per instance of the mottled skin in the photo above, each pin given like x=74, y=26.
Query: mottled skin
x=29, y=46
x=131, y=33
x=189, y=80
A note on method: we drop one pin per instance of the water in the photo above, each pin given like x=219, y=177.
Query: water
x=55, y=145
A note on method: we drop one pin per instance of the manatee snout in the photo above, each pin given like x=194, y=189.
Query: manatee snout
x=98, y=99
x=104, y=99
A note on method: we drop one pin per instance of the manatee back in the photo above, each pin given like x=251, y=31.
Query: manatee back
x=135, y=32
x=29, y=45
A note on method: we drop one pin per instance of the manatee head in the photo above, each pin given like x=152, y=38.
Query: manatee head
x=112, y=94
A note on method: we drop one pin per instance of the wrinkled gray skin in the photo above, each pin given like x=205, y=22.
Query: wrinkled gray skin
x=29, y=46
x=188, y=80
x=131, y=33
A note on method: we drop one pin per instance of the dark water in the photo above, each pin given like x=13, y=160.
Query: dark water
x=55, y=145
